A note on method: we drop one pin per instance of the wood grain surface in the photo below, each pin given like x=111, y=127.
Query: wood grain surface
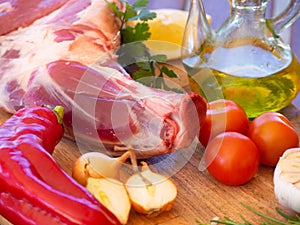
x=199, y=195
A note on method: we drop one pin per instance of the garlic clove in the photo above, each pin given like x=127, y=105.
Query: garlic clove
x=287, y=179
x=112, y=194
x=290, y=177
x=97, y=165
x=295, y=155
x=151, y=193
x=289, y=165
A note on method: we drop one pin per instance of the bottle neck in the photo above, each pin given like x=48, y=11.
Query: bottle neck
x=249, y=10
x=248, y=3
x=197, y=18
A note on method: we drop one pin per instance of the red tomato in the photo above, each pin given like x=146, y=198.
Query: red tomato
x=232, y=158
x=272, y=133
x=223, y=115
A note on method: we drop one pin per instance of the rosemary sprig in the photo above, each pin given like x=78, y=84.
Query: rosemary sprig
x=265, y=219
x=271, y=28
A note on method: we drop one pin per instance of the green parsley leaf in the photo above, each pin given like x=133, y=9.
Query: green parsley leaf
x=131, y=53
x=168, y=72
x=144, y=15
x=130, y=12
x=159, y=58
x=142, y=74
x=139, y=33
x=145, y=65
x=140, y=3
x=113, y=6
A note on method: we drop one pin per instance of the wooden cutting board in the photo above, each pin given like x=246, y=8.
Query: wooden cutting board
x=199, y=195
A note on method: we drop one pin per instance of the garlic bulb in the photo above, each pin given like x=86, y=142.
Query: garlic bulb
x=287, y=179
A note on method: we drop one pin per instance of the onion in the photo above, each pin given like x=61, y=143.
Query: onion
x=97, y=165
x=145, y=191
x=112, y=194
x=150, y=193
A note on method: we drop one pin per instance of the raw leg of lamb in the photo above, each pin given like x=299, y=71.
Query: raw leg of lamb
x=61, y=55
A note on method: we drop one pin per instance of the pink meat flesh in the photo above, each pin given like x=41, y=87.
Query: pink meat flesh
x=60, y=58
x=22, y=13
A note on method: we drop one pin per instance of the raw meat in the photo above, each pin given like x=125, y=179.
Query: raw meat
x=63, y=57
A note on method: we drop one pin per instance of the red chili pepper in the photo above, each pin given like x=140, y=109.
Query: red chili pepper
x=33, y=188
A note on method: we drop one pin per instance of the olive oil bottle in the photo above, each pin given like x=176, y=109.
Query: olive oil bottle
x=245, y=60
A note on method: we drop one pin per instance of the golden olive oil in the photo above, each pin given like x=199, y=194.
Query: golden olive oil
x=252, y=76
x=258, y=95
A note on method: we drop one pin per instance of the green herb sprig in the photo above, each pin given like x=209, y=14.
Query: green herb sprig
x=134, y=51
x=136, y=11
x=266, y=220
x=147, y=69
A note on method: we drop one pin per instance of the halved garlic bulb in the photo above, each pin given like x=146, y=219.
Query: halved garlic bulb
x=287, y=179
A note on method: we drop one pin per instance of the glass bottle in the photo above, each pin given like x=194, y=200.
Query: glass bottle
x=244, y=60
